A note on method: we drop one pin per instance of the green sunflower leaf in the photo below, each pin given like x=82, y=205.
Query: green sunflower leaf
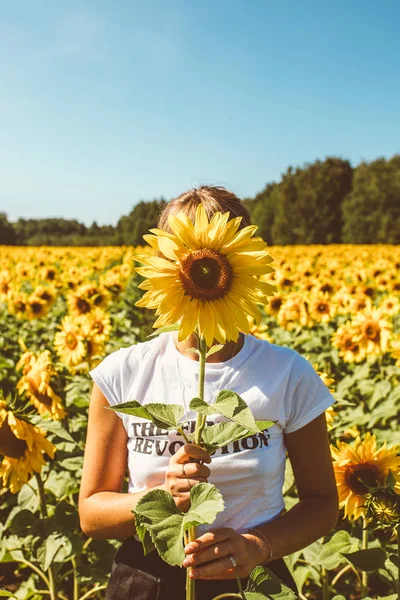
x=165, y=416
x=165, y=329
x=52, y=427
x=332, y=552
x=226, y=432
x=263, y=583
x=157, y=516
x=214, y=349
x=230, y=405
x=367, y=560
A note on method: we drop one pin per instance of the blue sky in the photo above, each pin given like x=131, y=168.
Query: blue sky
x=103, y=104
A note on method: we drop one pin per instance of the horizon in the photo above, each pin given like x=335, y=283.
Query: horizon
x=105, y=106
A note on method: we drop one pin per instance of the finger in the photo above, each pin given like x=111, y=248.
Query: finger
x=185, y=485
x=192, y=471
x=190, y=452
x=216, y=569
x=210, y=538
x=217, y=551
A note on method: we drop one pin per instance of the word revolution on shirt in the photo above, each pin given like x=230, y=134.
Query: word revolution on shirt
x=144, y=440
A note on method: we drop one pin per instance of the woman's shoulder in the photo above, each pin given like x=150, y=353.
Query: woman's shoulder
x=274, y=353
x=130, y=356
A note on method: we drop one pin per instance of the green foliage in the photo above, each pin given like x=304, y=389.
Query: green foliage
x=232, y=406
x=157, y=517
x=308, y=203
x=143, y=216
x=367, y=560
x=263, y=583
x=371, y=211
x=165, y=416
x=7, y=233
x=319, y=203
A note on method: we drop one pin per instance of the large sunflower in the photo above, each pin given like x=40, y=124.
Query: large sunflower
x=36, y=383
x=209, y=277
x=360, y=467
x=23, y=447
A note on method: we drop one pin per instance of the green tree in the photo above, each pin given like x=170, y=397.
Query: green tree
x=307, y=203
x=144, y=215
x=371, y=212
x=8, y=236
x=262, y=211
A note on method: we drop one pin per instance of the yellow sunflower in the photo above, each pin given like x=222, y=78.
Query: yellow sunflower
x=46, y=294
x=209, y=277
x=395, y=352
x=259, y=331
x=23, y=447
x=390, y=305
x=294, y=312
x=36, y=308
x=36, y=383
x=274, y=305
x=96, y=325
x=5, y=285
x=372, y=331
x=17, y=304
x=359, y=467
x=321, y=307
x=69, y=342
x=350, y=350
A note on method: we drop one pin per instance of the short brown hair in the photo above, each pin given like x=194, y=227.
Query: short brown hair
x=213, y=198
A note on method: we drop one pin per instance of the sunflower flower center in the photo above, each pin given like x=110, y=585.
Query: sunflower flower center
x=361, y=477
x=83, y=306
x=71, y=341
x=206, y=275
x=371, y=331
x=275, y=303
x=36, y=307
x=10, y=445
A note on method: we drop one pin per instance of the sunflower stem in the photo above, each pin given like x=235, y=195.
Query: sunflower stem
x=364, y=574
x=325, y=585
x=398, y=567
x=43, y=510
x=76, y=582
x=200, y=423
x=201, y=419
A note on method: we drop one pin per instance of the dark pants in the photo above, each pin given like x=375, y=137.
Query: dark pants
x=138, y=577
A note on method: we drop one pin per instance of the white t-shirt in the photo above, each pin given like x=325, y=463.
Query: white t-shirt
x=276, y=382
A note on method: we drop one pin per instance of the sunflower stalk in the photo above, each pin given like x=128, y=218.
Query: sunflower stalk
x=398, y=554
x=200, y=423
x=364, y=574
x=325, y=584
x=43, y=510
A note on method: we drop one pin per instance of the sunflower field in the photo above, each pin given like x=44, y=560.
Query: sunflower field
x=63, y=309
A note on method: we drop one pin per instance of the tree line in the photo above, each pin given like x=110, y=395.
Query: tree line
x=323, y=202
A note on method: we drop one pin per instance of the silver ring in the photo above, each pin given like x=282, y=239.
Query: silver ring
x=233, y=561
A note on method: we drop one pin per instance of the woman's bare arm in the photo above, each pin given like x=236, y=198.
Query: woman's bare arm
x=106, y=512
x=317, y=511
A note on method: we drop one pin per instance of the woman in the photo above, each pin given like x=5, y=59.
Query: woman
x=277, y=384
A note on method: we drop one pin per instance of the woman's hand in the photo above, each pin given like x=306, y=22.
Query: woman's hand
x=185, y=469
x=218, y=546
